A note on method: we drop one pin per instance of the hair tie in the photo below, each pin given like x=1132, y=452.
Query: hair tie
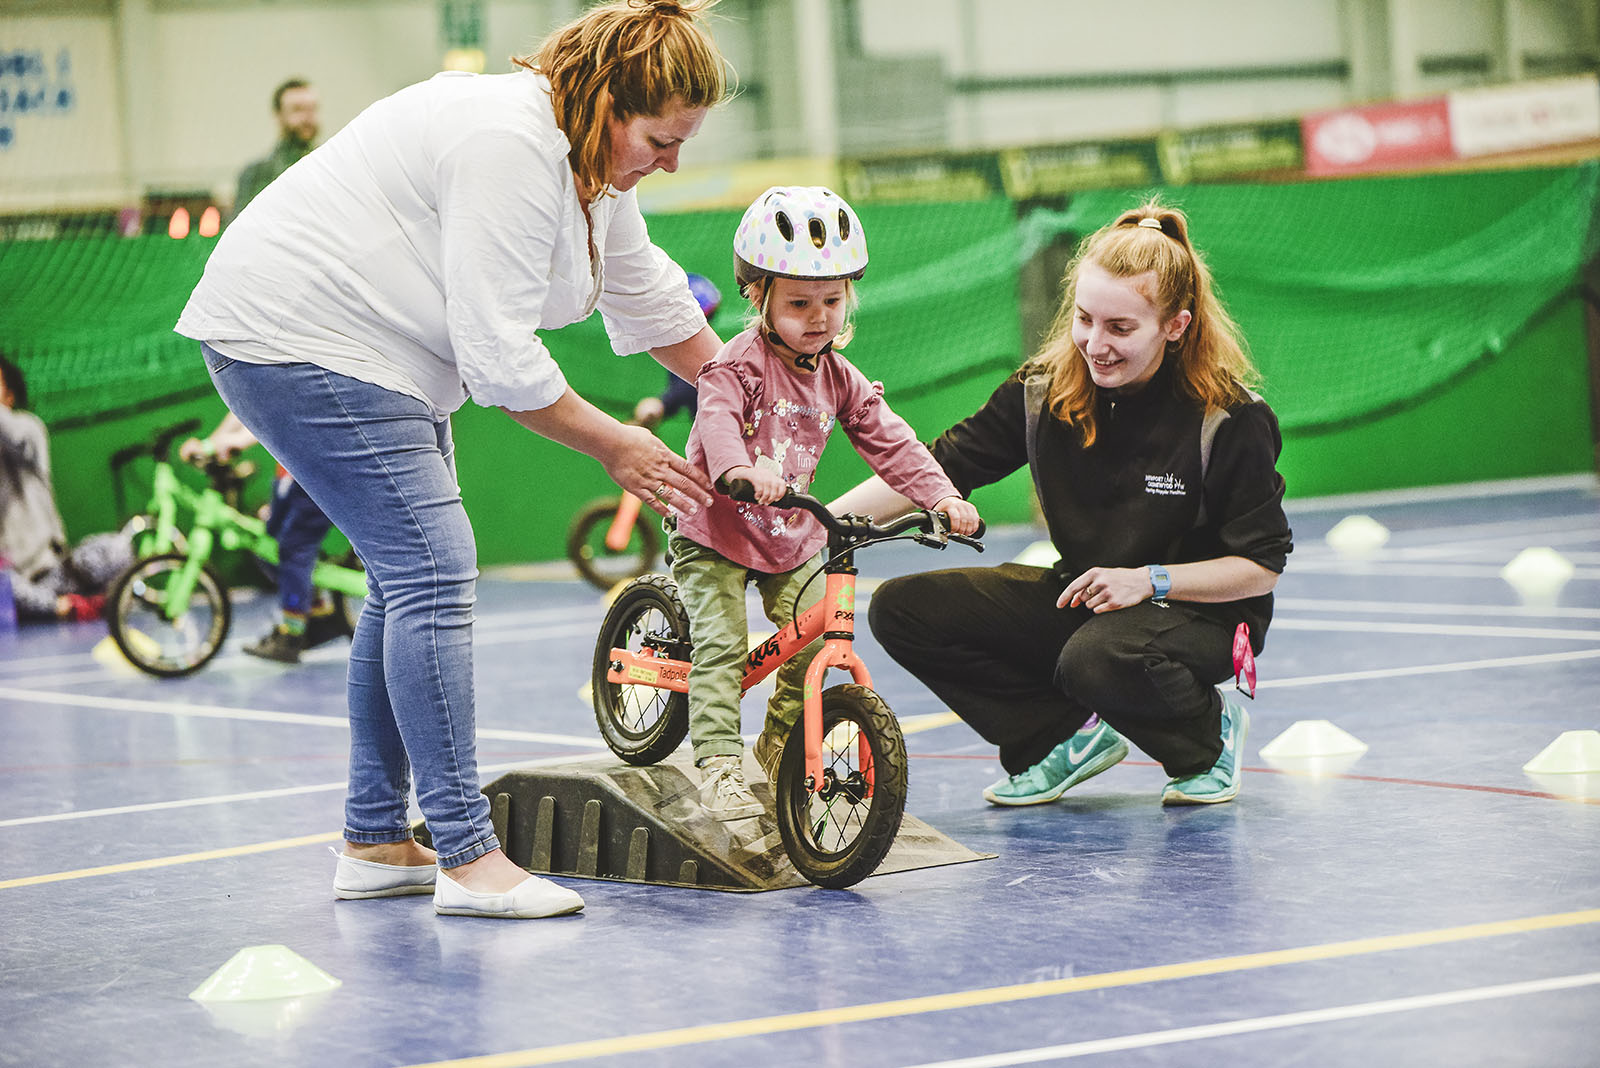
x=1154, y=224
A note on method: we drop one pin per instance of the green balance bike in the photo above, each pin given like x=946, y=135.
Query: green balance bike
x=169, y=612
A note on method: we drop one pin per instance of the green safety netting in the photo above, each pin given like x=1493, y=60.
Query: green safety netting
x=89, y=320
x=939, y=300
x=1359, y=297
x=1356, y=297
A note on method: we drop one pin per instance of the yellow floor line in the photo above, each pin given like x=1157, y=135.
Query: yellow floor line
x=914, y=724
x=966, y=999
x=167, y=862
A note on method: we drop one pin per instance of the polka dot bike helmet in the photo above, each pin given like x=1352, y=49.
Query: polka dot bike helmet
x=805, y=232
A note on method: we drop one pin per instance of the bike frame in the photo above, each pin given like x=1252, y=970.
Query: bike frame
x=621, y=529
x=832, y=619
x=218, y=523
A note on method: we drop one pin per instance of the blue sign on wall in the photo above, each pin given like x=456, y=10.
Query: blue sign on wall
x=29, y=87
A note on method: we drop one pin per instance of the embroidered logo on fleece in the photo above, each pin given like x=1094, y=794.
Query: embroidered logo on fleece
x=1164, y=485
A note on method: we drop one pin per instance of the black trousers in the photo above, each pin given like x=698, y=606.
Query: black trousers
x=1026, y=675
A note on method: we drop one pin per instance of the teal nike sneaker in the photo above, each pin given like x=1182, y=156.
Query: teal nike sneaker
x=1083, y=756
x=1221, y=783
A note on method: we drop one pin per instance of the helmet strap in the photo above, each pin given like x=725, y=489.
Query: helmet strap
x=806, y=361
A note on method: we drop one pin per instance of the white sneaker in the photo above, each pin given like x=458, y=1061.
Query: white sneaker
x=528, y=900
x=723, y=793
x=355, y=878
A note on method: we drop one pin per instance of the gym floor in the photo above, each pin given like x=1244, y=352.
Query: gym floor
x=1427, y=902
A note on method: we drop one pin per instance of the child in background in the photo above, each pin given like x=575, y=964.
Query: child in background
x=767, y=403
x=298, y=526
x=679, y=395
x=49, y=579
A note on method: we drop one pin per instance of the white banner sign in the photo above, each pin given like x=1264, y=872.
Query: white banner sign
x=1529, y=115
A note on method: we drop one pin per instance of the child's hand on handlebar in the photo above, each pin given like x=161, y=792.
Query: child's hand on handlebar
x=767, y=484
x=962, y=515
x=196, y=449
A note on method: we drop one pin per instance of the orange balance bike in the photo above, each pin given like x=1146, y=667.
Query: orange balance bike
x=612, y=539
x=840, y=790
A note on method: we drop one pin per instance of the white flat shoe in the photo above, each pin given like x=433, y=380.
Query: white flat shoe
x=367, y=878
x=528, y=900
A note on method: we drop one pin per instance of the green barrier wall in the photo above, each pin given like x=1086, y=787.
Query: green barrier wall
x=1412, y=331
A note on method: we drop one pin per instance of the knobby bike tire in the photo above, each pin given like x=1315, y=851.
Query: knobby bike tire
x=601, y=567
x=138, y=627
x=839, y=836
x=642, y=724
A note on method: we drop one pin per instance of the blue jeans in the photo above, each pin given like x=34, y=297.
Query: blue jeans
x=383, y=470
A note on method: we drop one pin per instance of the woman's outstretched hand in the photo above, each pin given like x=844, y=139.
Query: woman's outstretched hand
x=641, y=463
x=636, y=459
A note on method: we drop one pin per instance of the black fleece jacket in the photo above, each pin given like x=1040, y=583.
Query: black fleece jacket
x=1137, y=496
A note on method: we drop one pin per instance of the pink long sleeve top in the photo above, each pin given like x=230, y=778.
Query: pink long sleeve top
x=755, y=410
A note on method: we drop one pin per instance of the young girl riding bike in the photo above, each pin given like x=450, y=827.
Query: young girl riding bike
x=767, y=404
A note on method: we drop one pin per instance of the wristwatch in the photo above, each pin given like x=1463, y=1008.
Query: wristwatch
x=1160, y=581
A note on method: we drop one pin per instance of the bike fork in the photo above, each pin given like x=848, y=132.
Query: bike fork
x=835, y=653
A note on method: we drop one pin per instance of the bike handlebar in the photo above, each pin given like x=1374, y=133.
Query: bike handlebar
x=933, y=527
x=159, y=446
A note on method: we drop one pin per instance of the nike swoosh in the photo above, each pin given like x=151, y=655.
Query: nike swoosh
x=1075, y=756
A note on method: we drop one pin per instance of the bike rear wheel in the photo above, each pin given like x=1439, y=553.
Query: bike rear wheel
x=602, y=566
x=838, y=834
x=642, y=724
x=136, y=613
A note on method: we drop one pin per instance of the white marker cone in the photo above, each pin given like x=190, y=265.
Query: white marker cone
x=1312, y=738
x=1537, y=575
x=1572, y=753
x=1357, y=536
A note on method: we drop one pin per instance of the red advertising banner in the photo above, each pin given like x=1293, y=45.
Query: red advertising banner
x=1377, y=137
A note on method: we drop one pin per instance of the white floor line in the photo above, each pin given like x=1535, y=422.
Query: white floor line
x=1431, y=669
x=1429, y=608
x=1461, y=491
x=258, y=795
x=1270, y=1023
x=521, y=635
x=1459, y=630
x=63, y=678
x=33, y=663
x=167, y=708
x=188, y=802
x=1504, y=547
x=1412, y=569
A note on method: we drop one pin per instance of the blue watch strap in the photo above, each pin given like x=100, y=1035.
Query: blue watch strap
x=1160, y=581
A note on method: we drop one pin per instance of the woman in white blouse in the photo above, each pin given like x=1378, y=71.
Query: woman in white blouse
x=407, y=265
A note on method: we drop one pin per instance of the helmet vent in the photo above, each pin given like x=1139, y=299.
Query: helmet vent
x=785, y=227
x=819, y=232
x=844, y=226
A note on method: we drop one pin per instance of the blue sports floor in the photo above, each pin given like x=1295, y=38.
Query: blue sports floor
x=1429, y=903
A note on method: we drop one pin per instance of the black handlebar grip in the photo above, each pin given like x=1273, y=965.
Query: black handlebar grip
x=742, y=489
x=165, y=437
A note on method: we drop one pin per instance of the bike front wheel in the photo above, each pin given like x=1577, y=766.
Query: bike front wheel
x=597, y=562
x=158, y=641
x=642, y=724
x=838, y=834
